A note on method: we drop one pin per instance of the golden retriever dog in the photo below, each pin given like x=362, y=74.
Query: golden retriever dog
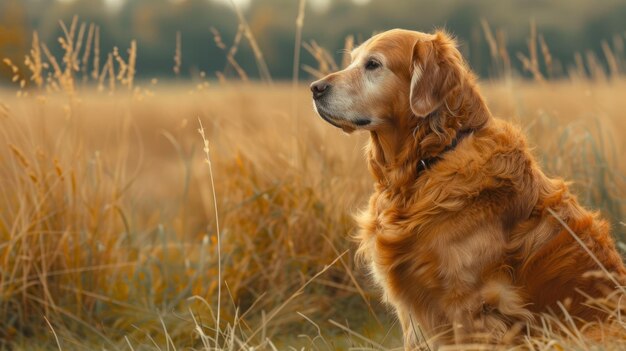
x=462, y=232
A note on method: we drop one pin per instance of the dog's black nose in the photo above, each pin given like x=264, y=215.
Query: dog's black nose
x=319, y=89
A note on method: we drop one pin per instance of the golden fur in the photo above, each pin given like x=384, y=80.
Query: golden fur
x=467, y=245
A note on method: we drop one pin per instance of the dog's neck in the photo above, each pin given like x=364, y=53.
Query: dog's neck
x=396, y=150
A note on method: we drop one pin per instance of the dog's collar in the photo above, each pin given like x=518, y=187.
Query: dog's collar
x=427, y=163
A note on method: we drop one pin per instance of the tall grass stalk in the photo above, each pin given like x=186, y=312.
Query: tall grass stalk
x=295, y=80
x=56, y=337
x=178, y=54
x=258, y=54
x=96, y=54
x=217, y=228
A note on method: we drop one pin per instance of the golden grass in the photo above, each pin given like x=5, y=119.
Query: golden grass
x=108, y=223
x=108, y=213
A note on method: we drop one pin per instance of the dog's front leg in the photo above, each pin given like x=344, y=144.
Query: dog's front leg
x=488, y=314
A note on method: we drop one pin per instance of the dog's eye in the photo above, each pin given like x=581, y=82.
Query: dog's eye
x=372, y=64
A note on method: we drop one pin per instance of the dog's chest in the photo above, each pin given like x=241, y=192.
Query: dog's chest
x=415, y=264
x=422, y=267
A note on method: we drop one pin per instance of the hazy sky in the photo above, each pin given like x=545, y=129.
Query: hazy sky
x=316, y=3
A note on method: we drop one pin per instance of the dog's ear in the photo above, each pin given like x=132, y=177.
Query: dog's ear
x=437, y=69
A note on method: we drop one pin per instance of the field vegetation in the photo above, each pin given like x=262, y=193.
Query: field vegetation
x=123, y=227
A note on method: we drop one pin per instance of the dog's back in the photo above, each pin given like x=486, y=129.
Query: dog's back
x=564, y=253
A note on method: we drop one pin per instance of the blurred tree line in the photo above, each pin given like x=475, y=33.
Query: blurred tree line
x=568, y=26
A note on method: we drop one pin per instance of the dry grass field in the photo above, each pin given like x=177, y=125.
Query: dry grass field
x=116, y=233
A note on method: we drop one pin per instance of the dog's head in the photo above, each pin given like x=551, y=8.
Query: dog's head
x=393, y=76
